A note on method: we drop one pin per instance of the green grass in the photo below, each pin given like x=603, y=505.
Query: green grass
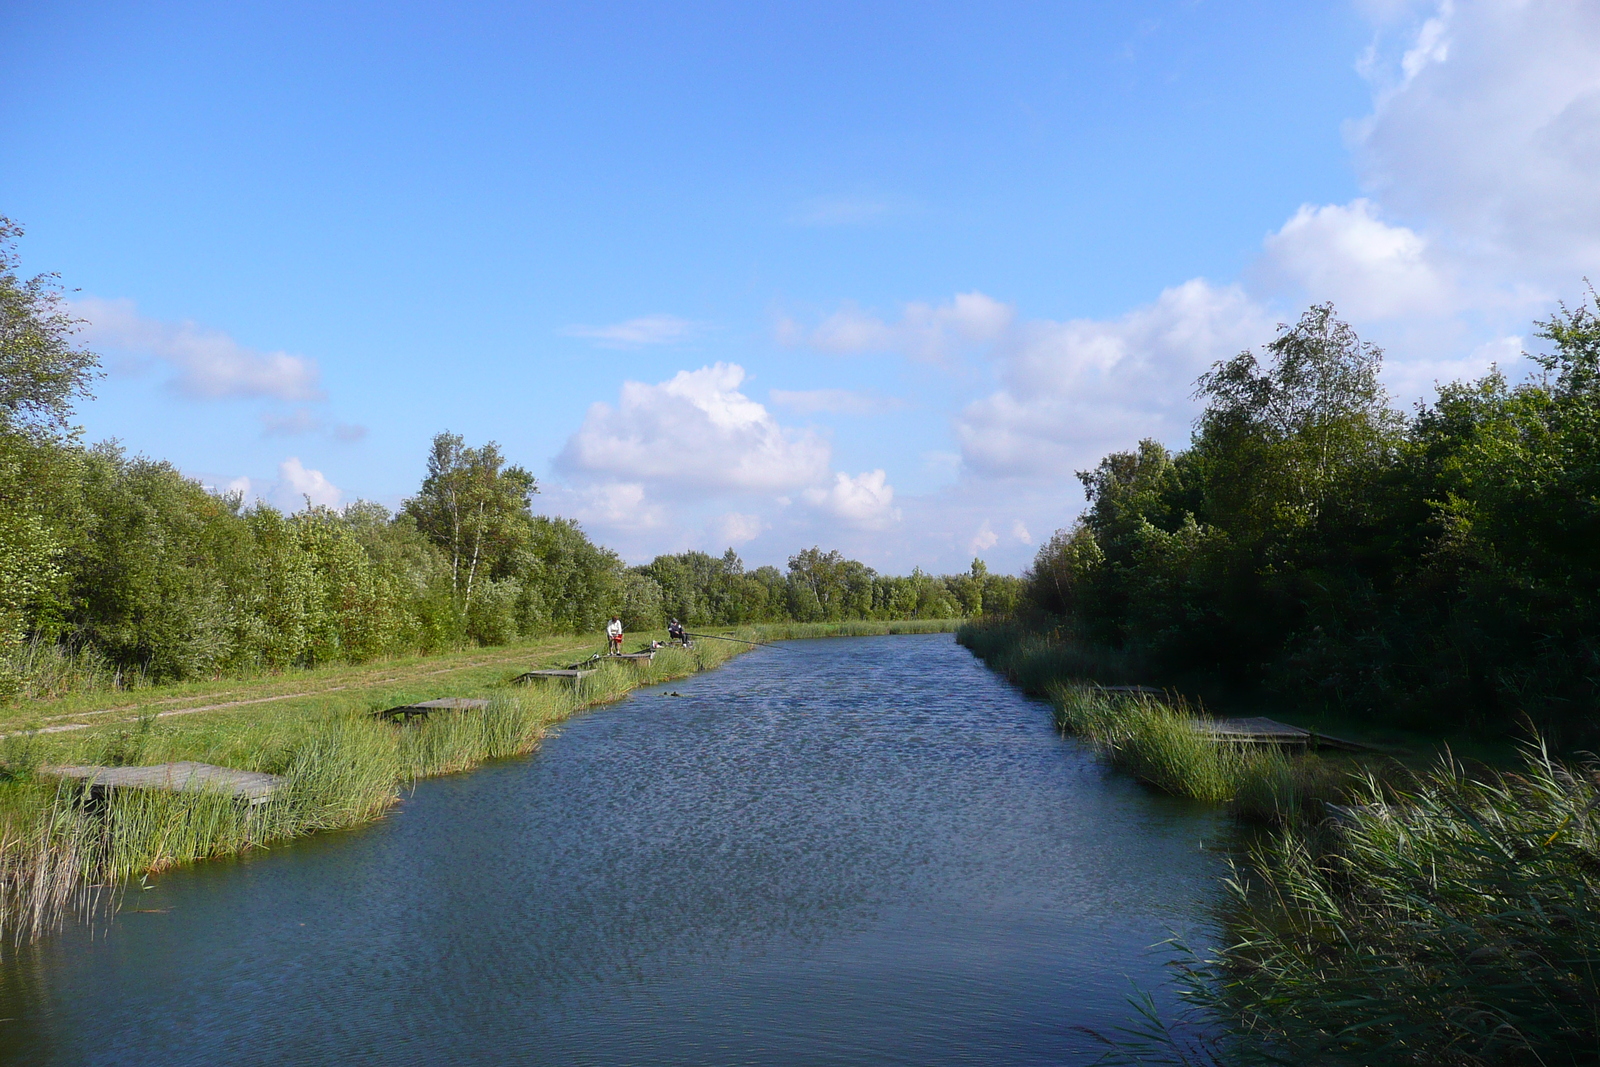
x=1158, y=742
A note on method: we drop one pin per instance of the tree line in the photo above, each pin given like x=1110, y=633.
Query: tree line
x=124, y=562
x=1439, y=568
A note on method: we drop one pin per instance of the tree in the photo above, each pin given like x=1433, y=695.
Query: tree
x=475, y=508
x=1278, y=442
x=41, y=371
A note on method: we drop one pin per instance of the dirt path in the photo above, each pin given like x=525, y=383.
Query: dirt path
x=130, y=712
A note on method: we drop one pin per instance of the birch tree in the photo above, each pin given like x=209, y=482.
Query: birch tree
x=475, y=508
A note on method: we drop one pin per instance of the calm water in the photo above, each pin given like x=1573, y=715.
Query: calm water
x=864, y=851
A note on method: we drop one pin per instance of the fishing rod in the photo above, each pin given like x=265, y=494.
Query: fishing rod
x=739, y=640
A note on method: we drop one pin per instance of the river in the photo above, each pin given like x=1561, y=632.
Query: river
x=837, y=852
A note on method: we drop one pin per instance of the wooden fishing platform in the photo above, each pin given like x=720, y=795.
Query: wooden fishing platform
x=423, y=708
x=639, y=658
x=1259, y=730
x=573, y=675
x=185, y=776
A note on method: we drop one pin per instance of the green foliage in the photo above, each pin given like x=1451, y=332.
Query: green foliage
x=1438, y=571
x=41, y=371
x=1451, y=922
x=475, y=508
x=703, y=590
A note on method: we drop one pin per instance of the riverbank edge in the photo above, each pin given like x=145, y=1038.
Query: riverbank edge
x=1158, y=740
x=1385, y=914
x=66, y=854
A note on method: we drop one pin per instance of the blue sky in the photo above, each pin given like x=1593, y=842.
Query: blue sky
x=881, y=275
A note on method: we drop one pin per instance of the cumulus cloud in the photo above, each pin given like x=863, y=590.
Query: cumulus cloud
x=865, y=501
x=1368, y=268
x=209, y=363
x=933, y=334
x=830, y=401
x=737, y=528
x=984, y=539
x=298, y=484
x=1020, y=532
x=636, y=333
x=696, y=430
x=1073, y=390
x=1486, y=124
x=619, y=504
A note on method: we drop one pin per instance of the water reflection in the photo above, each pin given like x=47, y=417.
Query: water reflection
x=844, y=852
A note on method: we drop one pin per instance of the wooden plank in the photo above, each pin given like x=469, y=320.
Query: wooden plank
x=1264, y=731
x=572, y=675
x=636, y=657
x=424, y=708
x=184, y=776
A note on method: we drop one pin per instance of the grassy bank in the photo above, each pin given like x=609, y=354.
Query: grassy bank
x=1387, y=915
x=62, y=852
x=1159, y=741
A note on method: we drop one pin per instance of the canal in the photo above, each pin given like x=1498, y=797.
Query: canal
x=849, y=851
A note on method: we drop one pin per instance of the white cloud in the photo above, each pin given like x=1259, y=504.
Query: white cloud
x=298, y=484
x=832, y=401
x=1369, y=269
x=866, y=500
x=1417, y=377
x=737, y=528
x=695, y=431
x=1020, y=532
x=984, y=539
x=924, y=332
x=636, y=333
x=241, y=485
x=619, y=505
x=210, y=364
x=1486, y=124
x=1073, y=390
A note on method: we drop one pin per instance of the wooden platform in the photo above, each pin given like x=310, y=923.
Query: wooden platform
x=574, y=675
x=424, y=708
x=636, y=657
x=1259, y=730
x=182, y=777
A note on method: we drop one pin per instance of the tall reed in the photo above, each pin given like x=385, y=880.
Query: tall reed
x=1156, y=741
x=1452, y=922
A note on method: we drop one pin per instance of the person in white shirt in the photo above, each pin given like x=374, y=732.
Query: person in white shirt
x=614, y=634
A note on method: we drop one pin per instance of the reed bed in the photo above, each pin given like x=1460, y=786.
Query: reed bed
x=1452, y=921
x=1157, y=740
x=1160, y=743
x=64, y=852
